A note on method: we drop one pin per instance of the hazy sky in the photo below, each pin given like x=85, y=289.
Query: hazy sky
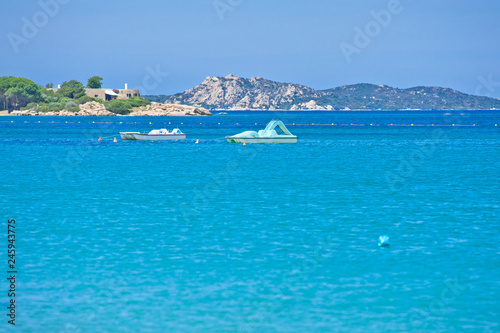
x=166, y=46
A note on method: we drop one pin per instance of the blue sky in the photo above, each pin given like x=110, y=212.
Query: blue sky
x=165, y=47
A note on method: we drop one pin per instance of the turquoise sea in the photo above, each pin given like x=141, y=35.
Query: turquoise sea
x=220, y=237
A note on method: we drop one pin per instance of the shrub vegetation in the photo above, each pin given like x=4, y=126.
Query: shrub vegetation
x=118, y=106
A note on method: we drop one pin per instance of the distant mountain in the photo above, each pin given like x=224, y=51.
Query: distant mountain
x=235, y=93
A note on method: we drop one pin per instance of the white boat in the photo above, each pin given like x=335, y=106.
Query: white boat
x=155, y=135
x=267, y=135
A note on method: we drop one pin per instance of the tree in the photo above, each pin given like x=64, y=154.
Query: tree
x=95, y=82
x=49, y=85
x=17, y=92
x=48, y=95
x=71, y=89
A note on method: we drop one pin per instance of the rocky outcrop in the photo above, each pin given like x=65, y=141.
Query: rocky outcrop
x=311, y=105
x=98, y=110
x=88, y=109
x=172, y=110
x=91, y=109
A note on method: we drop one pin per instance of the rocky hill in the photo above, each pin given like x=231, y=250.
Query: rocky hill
x=235, y=93
x=374, y=97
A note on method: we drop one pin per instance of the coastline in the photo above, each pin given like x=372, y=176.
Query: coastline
x=215, y=112
x=95, y=109
x=225, y=112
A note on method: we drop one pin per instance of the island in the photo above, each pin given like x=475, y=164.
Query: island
x=236, y=93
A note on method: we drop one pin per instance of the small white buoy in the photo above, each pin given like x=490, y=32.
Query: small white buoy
x=197, y=141
x=383, y=241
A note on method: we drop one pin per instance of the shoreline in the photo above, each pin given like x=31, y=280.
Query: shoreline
x=95, y=109
x=217, y=113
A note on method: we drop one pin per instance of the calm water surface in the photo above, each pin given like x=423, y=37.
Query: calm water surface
x=219, y=237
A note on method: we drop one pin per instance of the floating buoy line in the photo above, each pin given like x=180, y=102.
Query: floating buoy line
x=239, y=124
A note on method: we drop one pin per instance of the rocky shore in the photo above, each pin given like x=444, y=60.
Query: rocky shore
x=95, y=109
x=173, y=110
